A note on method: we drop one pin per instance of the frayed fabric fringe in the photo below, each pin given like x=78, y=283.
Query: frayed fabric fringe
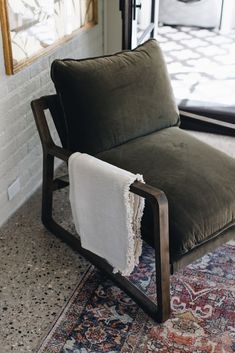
x=106, y=214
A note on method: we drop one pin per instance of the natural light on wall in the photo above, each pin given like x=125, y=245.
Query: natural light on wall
x=31, y=26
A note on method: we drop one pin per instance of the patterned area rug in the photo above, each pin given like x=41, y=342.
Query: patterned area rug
x=99, y=317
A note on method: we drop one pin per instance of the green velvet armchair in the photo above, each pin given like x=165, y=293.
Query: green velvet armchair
x=121, y=109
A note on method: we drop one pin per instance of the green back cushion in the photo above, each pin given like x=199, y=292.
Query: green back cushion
x=110, y=100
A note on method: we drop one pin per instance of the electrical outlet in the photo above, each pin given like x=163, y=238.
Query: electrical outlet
x=13, y=189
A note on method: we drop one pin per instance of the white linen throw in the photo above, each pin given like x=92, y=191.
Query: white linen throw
x=106, y=214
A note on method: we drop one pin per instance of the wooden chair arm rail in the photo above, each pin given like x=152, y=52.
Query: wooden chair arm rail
x=204, y=119
x=149, y=192
x=59, y=152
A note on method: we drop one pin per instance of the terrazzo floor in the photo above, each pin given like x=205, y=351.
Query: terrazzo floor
x=38, y=274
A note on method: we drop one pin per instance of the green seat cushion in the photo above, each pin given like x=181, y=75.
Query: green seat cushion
x=110, y=100
x=199, y=182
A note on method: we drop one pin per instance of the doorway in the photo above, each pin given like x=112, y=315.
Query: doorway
x=198, y=41
x=138, y=21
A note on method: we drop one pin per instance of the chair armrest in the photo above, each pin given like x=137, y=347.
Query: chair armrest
x=192, y=121
x=59, y=152
x=149, y=192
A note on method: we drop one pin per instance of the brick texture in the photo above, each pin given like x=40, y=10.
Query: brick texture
x=20, y=149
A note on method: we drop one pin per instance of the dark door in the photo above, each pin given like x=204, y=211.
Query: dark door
x=138, y=21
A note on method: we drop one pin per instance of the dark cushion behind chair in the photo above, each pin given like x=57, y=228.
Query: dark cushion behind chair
x=130, y=93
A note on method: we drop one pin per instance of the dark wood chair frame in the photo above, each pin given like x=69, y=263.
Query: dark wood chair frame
x=160, y=310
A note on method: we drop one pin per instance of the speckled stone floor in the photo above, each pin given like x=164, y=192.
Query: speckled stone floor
x=38, y=274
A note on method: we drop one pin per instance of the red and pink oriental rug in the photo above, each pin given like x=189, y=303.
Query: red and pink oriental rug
x=100, y=318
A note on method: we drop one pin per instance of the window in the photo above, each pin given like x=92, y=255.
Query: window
x=32, y=27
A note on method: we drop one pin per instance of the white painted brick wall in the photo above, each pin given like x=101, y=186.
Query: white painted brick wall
x=20, y=149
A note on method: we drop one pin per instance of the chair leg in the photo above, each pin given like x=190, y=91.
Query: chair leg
x=162, y=261
x=47, y=189
x=159, y=205
x=163, y=293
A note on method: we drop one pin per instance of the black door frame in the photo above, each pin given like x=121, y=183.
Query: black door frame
x=128, y=8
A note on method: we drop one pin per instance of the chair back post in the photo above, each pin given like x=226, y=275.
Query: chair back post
x=38, y=108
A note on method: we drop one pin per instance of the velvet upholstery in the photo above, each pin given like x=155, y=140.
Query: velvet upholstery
x=120, y=108
x=198, y=180
x=110, y=100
